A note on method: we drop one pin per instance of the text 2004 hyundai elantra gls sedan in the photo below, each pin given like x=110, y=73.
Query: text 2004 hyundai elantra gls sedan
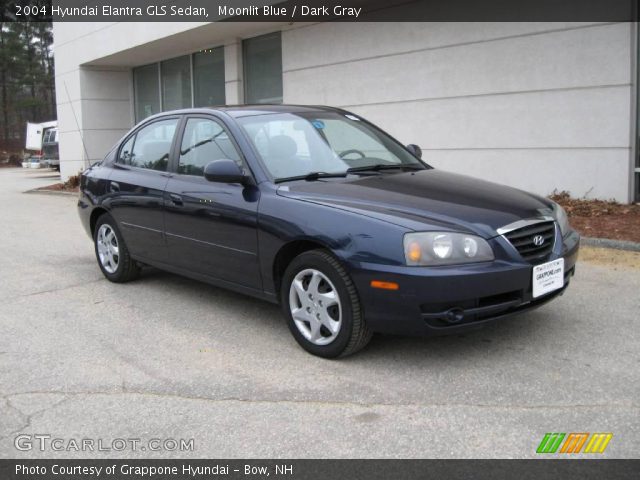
x=319, y=210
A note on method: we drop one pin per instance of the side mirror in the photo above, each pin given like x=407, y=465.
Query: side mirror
x=224, y=171
x=415, y=149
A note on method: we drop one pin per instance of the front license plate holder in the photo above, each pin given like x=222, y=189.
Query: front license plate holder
x=548, y=277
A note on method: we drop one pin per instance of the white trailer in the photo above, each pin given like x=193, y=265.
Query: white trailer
x=42, y=141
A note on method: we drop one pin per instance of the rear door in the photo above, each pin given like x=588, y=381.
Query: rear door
x=211, y=227
x=137, y=185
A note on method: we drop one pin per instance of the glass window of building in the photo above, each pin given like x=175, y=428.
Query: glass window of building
x=176, y=83
x=146, y=91
x=208, y=78
x=263, y=68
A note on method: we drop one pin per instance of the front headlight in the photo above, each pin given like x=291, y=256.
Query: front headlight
x=445, y=248
x=562, y=219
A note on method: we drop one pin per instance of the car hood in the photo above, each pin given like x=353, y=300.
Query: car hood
x=427, y=199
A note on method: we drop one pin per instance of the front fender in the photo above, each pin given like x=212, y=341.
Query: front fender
x=355, y=239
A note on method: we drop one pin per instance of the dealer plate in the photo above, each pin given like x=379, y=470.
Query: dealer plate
x=548, y=277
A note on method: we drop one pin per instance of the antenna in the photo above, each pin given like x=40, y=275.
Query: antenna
x=86, y=154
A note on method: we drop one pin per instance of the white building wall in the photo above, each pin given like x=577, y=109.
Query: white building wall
x=539, y=106
x=94, y=62
x=234, y=86
x=94, y=114
x=94, y=98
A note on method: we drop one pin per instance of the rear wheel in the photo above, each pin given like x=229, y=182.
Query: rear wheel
x=322, y=306
x=112, y=253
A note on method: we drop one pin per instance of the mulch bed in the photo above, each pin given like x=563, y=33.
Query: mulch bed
x=59, y=187
x=600, y=218
x=71, y=185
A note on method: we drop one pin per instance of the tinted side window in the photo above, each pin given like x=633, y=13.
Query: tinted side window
x=150, y=146
x=204, y=140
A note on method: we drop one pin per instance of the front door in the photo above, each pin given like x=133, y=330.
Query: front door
x=211, y=228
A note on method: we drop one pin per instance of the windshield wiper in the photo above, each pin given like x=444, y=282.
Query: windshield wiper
x=385, y=166
x=311, y=176
x=367, y=168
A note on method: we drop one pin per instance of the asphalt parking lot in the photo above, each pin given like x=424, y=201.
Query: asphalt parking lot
x=170, y=358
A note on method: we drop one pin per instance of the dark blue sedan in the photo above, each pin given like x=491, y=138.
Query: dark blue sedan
x=319, y=210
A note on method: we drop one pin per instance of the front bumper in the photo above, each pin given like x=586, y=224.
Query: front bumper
x=446, y=300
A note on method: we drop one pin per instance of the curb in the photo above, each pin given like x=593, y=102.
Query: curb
x=52, y=192
x=608, y=243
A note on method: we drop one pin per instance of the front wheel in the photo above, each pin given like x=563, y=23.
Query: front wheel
x=112, y=253
x=322, y=307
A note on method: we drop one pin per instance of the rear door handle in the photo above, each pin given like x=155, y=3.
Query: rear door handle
x=176, y=199
x=115, y=187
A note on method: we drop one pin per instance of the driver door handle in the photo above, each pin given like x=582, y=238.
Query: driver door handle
x=176, y=199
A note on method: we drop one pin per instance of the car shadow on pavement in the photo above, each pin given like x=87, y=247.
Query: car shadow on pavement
x=190, y=291
x=510, y=334
x=503, y=335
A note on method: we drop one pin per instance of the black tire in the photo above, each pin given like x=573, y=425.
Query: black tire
x=127, y=269
x=353, y=334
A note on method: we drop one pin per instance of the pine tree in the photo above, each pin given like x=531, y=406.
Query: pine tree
x=27, y=91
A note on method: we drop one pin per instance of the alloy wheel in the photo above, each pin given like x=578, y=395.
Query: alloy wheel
x=108, y=250
x=315, y=306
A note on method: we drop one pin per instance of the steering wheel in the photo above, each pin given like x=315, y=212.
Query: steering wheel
x=349, y=152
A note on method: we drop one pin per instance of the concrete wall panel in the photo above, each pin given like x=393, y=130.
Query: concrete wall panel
x=592, y=118
x=328, y=43
x=477, y=94
x=566, y=59
x=594, y=173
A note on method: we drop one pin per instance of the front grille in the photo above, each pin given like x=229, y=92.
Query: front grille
x=523, y=241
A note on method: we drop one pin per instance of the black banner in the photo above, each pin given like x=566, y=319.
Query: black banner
x=320, y=469
x=319, y=10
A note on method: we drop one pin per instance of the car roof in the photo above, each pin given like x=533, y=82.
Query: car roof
x=246, y=110
x=237, y=111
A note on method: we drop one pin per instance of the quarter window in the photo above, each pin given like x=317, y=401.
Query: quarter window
x=204, y=140
x=150, y=146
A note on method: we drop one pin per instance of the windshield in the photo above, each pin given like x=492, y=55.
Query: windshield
x=296, y=145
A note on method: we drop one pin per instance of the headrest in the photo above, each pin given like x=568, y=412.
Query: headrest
x=282, y=146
